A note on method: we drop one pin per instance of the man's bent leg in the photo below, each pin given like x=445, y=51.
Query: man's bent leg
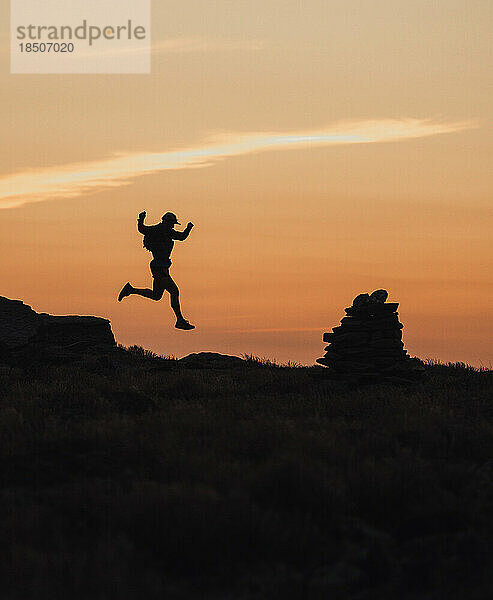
x=158, y=287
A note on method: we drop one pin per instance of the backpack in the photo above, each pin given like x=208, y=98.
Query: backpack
x=154, y=239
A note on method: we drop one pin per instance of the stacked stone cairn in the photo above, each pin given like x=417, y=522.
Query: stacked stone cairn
x=368, y=343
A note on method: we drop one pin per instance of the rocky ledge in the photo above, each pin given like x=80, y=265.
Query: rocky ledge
x=27, y=336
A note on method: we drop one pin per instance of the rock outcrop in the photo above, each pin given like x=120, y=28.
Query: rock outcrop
x=368, y=342
x=18, y=323
x=211, y=360
x=27, y=336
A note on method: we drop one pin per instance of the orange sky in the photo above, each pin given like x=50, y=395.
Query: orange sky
x=322, y=149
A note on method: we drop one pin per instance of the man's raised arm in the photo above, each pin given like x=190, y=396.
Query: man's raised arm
x=140, y=223
x=182, y=235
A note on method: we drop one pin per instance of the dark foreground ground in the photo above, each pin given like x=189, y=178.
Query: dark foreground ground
x=129, y=476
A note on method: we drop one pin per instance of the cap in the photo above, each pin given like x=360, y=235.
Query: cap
x=170, y=217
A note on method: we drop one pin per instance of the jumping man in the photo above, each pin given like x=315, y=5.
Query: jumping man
x=159, y=240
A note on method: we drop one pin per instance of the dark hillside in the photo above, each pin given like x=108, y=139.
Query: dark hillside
x=125, y=475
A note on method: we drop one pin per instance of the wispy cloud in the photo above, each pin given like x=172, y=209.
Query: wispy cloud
x=75, y=179
x=174, y=46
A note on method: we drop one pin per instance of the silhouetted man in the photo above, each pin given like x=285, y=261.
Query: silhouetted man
x=159, y=240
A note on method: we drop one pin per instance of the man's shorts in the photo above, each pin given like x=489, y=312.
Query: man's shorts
x=159, y=268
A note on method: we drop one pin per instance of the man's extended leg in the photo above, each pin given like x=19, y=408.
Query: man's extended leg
x=174, y=292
